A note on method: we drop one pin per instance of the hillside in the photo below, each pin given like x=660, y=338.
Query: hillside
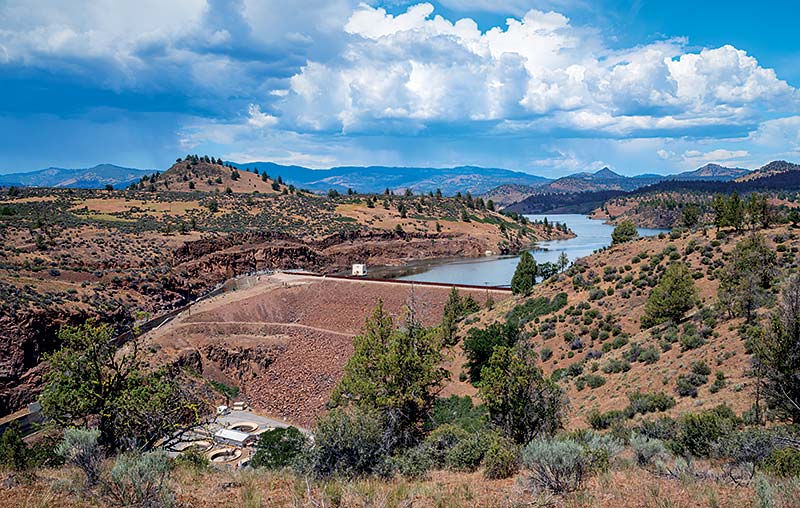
x=774, y=168
x=504, y=195
x=663, y=210
x=568, y=202
x=96, y=177
x=604, y=179
x=596, y=338
x=713, y=172
x=662, y=205
x=190, y=175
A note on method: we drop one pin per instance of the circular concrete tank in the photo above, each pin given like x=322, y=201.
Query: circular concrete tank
x=246, y=427
x=224, y=455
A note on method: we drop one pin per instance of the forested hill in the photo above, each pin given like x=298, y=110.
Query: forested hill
x=585, y=202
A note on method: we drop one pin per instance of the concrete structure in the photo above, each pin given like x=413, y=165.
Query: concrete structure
x=233, y=437
x=359, y=270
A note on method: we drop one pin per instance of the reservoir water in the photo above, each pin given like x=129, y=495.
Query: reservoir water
x=498, y=270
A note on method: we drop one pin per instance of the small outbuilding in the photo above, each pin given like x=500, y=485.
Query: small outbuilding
x=359, y=270
x=233, y=438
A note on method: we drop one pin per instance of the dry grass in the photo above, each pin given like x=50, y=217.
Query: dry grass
x=624, y=488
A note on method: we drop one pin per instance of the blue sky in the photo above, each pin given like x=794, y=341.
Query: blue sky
x=544, y=86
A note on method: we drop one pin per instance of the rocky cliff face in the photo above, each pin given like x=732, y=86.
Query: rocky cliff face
x=25, y=339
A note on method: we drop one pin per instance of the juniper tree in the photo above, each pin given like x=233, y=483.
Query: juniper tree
x=674, y=295
x=624, y=232
x=394, y=372
x=89, y=379
x=747, y=277
x=521, y=402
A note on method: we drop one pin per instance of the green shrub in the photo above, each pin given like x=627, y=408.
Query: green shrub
x=480, y=343
x=278, y=448
x=691, y=341
x=649, y=402
x=557, y=465
x=193, y=459
x=141, y=480
x=414, y=462
x=13, y=450
x=602, y=448
x=664, y=428
x=229, y=391
x=746, y=448
x=647, y=449
x=784, y=462
x=602, y=421
x=456, y=410
x=700, y=431
x=441, y=440
x=615, y=365
x=80, y=447
x=467, y=454
x=649, y=355
x=348, y=443
x=592, y=380
x=501, y=459
x=535, y=307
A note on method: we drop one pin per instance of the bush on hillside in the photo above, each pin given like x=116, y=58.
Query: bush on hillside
x=602, y=421
x=501, y=459
x=348, y=443
x=142, y=480
x=278, y=448
x=557, y=465
x=784, y=462
x=467, y=454
x=13, y=450
x=700, y=431
x=81, y=448
x=647, y=449
x=457, y=410
x=441, y=440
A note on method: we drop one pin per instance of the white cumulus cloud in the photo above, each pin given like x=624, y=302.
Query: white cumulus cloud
x=539, y=72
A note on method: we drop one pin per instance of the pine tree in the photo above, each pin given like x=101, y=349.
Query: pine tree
x=525, y=275
x=735, y=211
x=720, y=207
x=778, y=352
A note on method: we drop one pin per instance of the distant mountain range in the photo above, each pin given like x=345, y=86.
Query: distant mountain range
x=95, y=177
x=607, y=180
x=775, y=176
x=502, y=185
x=375, y=179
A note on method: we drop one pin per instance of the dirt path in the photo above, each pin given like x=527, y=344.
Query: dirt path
x=265, y=323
